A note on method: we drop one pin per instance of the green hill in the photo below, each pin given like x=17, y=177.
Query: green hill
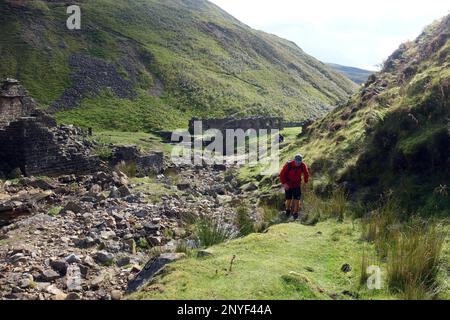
x=148, y=64
x=357, y=75
x=394, y=135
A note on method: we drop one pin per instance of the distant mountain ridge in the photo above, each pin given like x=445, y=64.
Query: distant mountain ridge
x=357, y=75
x=141, y=65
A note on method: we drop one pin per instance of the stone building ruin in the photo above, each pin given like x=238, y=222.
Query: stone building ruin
x=31, y=141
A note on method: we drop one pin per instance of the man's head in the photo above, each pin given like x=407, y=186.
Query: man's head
x=298, y=160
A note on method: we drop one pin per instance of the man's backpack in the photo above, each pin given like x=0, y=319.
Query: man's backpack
x=290, y=168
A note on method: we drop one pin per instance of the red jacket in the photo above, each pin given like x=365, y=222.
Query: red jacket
x=293, y=177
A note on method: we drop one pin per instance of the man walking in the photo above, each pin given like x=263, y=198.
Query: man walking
x=291, y=179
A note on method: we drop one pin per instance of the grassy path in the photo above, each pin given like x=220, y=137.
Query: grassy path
x=290, y=261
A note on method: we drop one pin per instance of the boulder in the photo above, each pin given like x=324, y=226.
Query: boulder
x=153, y=267
x=103, y=257
x=73, y=278
x=72, y=206
x=249, y=187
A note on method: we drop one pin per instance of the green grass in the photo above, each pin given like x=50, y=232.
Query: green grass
x=154, y=190
x=269, y=266
x=144, y=141
x=107, y=112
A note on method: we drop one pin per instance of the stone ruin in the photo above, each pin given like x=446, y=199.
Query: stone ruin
x=145, y=163
x=256, y=123
x=31, y=141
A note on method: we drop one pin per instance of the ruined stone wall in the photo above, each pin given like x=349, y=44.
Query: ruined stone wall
x=31, y=141
x=38, y=150
x=14, y=102
x=145, y=163
x=255, y=123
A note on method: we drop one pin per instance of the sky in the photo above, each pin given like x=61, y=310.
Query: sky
x=356, y=33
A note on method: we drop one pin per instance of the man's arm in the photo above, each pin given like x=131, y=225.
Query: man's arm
x=283, y=174
x=305, y=173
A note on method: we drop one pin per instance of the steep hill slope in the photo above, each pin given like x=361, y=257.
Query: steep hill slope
x=146, y=64
x=357, y=75
x=395, y=134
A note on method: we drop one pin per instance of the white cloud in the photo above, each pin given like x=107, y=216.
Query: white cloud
x=351, y=32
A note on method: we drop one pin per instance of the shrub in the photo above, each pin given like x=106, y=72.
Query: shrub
x=211, y=231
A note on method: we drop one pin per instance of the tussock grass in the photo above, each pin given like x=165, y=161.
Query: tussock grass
x=211, y=231
x=244, y=221
x=410, y=249
x=414, y=261
x=338, y=204
x=380, y=225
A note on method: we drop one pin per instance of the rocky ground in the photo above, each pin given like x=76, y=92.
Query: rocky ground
x=88, y=237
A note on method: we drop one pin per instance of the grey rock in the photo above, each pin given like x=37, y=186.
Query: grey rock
x=54, y=290
x=106, y=235
x=114, y=193
x=85, y=243
x=183, y=186
x=73, y=278
x=59, y=265
x=123, y=261
x=95, y=189
x=152, y=267
x=73, y=296
x=27, y=282
x=18, y=258
x=249, y=187
x=73, y=259
x=97, y=281
x=116, y=295
x=124, y=191
x=72, y=206
x=151, y=228
x=141, y=213
x=103, y=257
x=49, y=276
x=204, y=254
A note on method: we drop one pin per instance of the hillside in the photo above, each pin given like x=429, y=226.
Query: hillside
x=147, y=64
x=394, y=135
x=357, y=75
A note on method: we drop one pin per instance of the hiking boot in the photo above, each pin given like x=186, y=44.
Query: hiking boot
x=288, y=214
x=296, y=216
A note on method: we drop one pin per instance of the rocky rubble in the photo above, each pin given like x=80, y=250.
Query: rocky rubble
x=88, y=237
